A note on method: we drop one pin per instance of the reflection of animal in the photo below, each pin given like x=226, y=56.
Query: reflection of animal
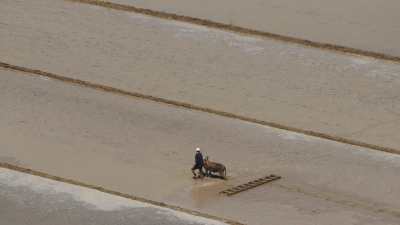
x=213, y=167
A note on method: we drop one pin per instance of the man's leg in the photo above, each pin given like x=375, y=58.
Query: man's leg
x=193, y=168
x=201, y=171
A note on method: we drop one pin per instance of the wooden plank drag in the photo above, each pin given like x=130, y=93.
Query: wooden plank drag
x=250, y=185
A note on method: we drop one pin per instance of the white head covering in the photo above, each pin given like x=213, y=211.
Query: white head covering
x=197, y=149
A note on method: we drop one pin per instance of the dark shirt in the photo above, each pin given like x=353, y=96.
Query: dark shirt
x=199, y=159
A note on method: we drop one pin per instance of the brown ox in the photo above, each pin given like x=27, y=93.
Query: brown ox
x=213, y=167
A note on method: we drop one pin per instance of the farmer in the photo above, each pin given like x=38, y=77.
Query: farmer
x=198, y=163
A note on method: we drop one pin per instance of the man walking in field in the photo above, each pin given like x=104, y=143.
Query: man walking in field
x=198, y=164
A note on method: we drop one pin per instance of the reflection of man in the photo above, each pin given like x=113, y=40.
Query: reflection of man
x=198, y=163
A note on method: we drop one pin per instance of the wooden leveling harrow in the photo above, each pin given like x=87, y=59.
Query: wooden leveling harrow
x=250, y=185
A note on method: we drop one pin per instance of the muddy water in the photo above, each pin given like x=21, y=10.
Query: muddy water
x=365, y=24
x=146, y=149
x=26, y=200
x=343, y=95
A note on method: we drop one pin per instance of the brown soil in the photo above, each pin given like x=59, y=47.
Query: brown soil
x=238, y=29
